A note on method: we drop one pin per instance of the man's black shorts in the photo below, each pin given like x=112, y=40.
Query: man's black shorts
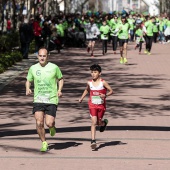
x=49, y=109
x=122, y=41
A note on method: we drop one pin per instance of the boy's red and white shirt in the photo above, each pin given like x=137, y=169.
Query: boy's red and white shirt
x=95, y=91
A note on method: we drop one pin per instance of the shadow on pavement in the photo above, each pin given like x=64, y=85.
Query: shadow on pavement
x=65, y=145
x=6, y=132
x=112, y=143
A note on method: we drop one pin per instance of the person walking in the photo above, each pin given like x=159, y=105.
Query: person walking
x=26, y=36
x=47, y=91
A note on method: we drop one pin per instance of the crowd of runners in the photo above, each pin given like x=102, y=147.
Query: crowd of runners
x=75, y=30
x=83, y=31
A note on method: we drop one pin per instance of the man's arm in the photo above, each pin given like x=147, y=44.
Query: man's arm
x=28, y=85
x=60, y=86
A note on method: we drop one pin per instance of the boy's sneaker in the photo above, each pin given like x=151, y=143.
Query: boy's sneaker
x=44, y=147
x=103, y=128
x=93, y=144
x=52, y=131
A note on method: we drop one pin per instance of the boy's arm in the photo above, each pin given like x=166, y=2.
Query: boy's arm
x=110, y=91
x=86, y=91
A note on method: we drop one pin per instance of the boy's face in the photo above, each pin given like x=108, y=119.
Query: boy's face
x=95, y=74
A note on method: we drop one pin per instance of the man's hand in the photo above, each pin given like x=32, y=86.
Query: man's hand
x=59, y=94
x=28, y=92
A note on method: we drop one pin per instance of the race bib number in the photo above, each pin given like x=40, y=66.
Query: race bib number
x=97, y=100
x=43, y=99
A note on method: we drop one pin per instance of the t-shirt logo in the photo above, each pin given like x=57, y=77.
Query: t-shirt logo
x=38, y=72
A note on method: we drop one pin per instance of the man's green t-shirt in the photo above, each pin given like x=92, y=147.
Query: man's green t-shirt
x=124, y=32
x=104, y=29
x=45, y=82
x=149, y=28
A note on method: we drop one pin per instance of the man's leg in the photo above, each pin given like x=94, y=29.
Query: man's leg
x=39, y=117
x=50, y=122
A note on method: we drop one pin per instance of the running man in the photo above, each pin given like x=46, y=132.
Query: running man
x=45, y=76
x=123, y=36
x=97, y=87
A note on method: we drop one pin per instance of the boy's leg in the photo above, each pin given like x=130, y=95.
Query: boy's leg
x=93, y=132
x=93, y=127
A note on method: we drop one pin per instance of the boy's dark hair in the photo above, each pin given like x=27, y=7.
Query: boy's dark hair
x=96, y=67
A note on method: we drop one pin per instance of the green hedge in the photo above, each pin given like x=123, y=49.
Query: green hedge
x=8, y=59
x=9, y=41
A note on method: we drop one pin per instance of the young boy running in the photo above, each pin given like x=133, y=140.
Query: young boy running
x=97, y=87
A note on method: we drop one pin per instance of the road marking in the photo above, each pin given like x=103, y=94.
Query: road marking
x=66, y=157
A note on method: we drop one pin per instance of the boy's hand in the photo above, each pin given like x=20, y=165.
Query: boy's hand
x=80, y=100
x=102, y=96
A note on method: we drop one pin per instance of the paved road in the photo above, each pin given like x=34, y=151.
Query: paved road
x=138, y=133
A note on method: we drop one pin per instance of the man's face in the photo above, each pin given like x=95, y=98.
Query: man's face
x=42, y=56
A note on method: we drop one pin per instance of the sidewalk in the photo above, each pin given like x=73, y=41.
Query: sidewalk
x=138, y=133
x=16, y=70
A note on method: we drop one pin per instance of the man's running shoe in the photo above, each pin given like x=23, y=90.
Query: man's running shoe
x=44, y=147
x=93, y=144
x=88, y=49
x=125, y=61
x=103, y=128
x=121, y=60
x=146, y=51
x=52, y=131
x=149, y=53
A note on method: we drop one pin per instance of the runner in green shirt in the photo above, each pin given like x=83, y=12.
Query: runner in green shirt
x=123, y=36
x=149, y=34
x=104, y=30
x=45, y=76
